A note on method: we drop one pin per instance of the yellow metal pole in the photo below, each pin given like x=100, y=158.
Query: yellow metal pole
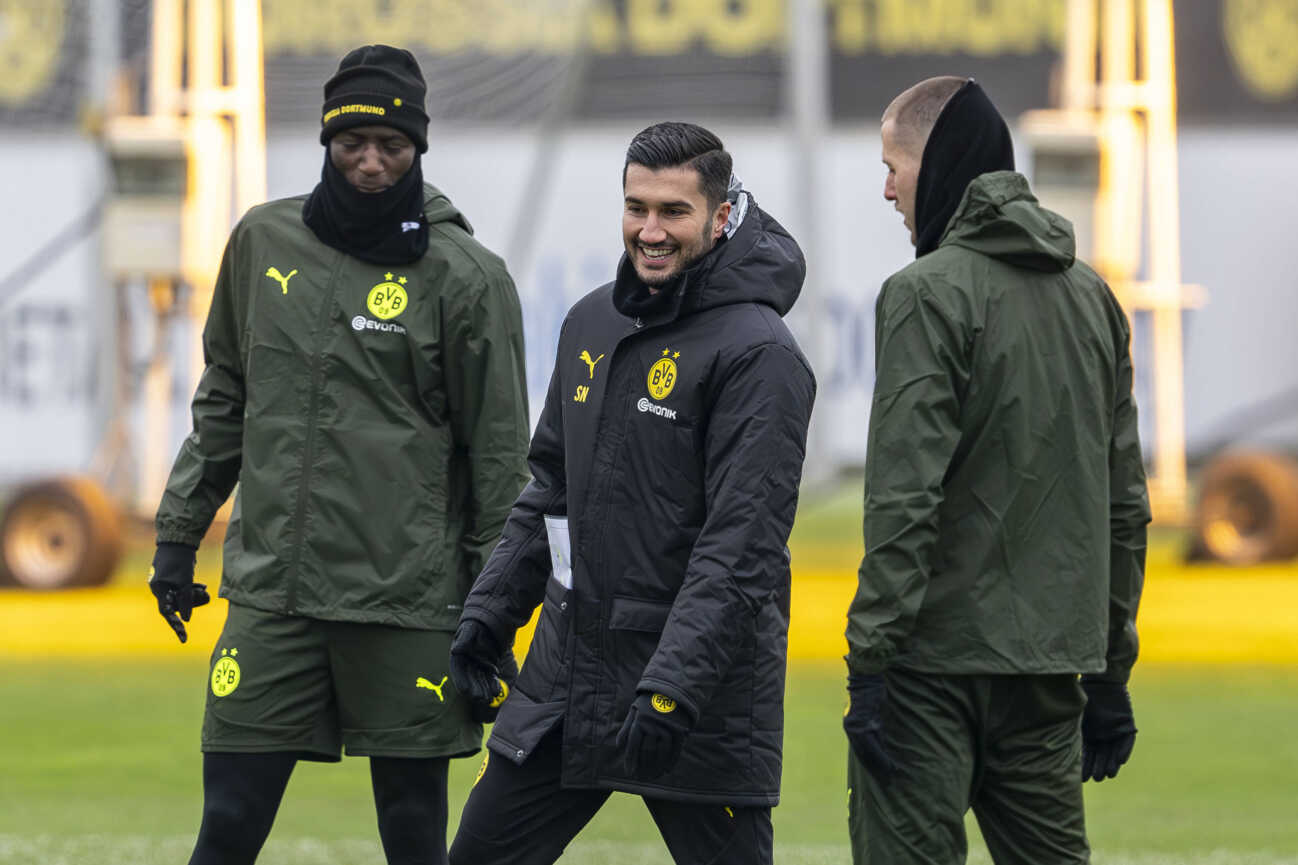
x=1170, y=491
x=208, y=203
x=1119, y=200
x=1077, y=90
x=166, y=47
x=249, y=104
x=155, y=464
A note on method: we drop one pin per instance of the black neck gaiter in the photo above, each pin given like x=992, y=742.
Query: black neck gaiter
x=385, y=227
x=632, y=297
x=969, y=139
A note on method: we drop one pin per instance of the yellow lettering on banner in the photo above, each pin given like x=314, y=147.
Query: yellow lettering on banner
x=1262, y=36
x=554, y=25
x=982, y=28
x=891, y=31
x=31, y=34
x=848, y=27
x=449, y=26
x=392, y=22
x=735, y=29
x=603, y=28
x=299, y=26
x=657, y=27
x=513, y=25
x=989, y=27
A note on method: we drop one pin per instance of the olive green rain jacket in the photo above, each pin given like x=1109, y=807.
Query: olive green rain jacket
x=1005, y=500
x=374, y=416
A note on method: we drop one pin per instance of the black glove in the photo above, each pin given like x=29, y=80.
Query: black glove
x=653, y=734
x=1108, y=728
x=863, y=723
x=171, y=579
x=485, y=713
x=476, y=656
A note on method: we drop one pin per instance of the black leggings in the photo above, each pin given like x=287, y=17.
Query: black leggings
x=242, y=792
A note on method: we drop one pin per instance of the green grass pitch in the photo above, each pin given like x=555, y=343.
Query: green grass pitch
x=99, y=763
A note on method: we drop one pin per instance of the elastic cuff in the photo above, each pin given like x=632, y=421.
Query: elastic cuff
x=496, y=627
x=1105, y=679
x=865, y=666
x=178, y=536
x=667, y=689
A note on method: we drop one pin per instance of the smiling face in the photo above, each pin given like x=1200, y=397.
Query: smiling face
x=902, y=158
x=372, y=158
x=666, y=222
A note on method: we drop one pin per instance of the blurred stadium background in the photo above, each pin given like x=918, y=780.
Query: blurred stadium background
x=134, y=131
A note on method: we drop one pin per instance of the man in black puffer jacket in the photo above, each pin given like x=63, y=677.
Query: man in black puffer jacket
x=665, y=472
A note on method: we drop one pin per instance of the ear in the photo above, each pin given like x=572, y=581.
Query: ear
x=719, y=219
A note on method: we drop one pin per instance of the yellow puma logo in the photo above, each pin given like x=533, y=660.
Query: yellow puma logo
x=421, y=682
x=585, y=355
x=273, y=273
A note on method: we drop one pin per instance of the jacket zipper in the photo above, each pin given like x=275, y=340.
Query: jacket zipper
x=308, y=447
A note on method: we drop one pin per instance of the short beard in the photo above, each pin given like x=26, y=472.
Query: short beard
x=658, y=280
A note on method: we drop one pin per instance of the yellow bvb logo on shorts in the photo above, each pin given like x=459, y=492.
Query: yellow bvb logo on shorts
x=388, y=299
x=662, y=703
x=225, y=673
x=482, y=769
x=662, y=375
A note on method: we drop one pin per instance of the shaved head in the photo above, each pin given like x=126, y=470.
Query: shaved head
x=916, y=110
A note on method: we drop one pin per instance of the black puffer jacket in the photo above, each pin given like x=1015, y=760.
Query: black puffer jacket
x=674, y=443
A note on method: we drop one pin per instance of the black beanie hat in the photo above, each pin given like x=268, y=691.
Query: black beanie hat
x=376, y=85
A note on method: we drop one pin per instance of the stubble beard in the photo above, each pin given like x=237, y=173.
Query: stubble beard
x=655, y=280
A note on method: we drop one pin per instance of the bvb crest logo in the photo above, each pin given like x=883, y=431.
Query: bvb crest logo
x=388, y=299
x=662, y=703
x=226, y=673
x=662, y=375
x=1262, y=36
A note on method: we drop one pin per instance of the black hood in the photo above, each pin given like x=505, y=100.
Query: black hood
x=758, y=263
x=969, y=139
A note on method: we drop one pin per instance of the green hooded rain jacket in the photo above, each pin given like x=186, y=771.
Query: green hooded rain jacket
x=375, y=418
x=1005, y=499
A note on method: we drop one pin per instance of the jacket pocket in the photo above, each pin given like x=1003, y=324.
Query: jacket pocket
x=548, y=656
x=637, y=614
x=521, y=725
x=635, y=628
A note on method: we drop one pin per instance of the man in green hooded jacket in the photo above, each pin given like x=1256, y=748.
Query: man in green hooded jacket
x=364, y=386
x=1005, y=513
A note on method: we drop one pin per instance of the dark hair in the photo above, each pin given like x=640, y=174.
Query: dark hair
x=666, y=145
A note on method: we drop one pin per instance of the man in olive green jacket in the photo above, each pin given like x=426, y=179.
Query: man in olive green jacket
x=1005, y=513
x=364, y=386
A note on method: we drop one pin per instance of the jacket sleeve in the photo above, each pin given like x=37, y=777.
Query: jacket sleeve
x=512, y=584
x=753, y=452
x=921, y=373
x=1128, y=516
x=207, y=467
x=486, y=392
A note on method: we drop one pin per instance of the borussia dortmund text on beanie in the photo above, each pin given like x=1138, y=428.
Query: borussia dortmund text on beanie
x=376, y=85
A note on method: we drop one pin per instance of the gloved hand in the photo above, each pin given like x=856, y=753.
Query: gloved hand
x=485, y=713
x=171, y=579
x=653, y=734
x=863, y=723
x=1108, y=728
x=475, y=657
